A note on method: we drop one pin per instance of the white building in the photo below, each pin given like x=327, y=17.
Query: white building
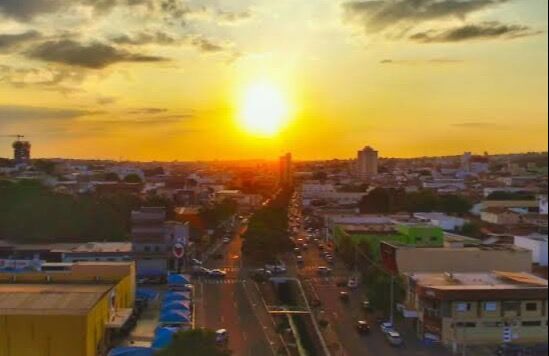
x=367, y=163
x=543, y=205
x=537, y=244
x=445, y=222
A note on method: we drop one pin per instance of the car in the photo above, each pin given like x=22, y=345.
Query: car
x=297, y=250
x=330, y=260
x=352, y=283
x=200, y=271
x=344, y=296
x=363, y=327
x=300, y=259
x=196, y=262
x=226, y=240
x=394, y=338
x=386, y=327
x=221, y=336
x=305, y=247
x=217, y=273
x=322, y=270
x=366, y=305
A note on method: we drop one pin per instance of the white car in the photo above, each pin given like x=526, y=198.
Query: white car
x=394, y=338
x=324, y=270
x=226, y=240
x=217, y=273
x=352, y=283
x=387, y=327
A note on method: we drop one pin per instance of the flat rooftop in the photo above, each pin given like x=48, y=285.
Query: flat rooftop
x=50, y=299
x=479, y=281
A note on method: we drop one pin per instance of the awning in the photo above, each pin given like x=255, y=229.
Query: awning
x=163, y=337
x=120, y=318
x=174, y=296
x=177, y=305
x=131, y=351
x=145, y=293
x=175, y=317
x=178, y=279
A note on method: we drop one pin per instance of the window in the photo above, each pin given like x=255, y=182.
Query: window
x=531, y=307
x=157, y=249
x=492, y=324
x=465, y=325
x=531, y=323
x=491, y=307
x=463, y=307
x=147, y=249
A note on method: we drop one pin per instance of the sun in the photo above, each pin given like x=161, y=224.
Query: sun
x=264, y=109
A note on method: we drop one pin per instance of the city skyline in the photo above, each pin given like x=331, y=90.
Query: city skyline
x=172, y=80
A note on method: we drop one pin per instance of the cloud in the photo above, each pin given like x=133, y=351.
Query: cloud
x=94, y=56
x=143, y=38
x=106, y=100
x=482, y=31
x=378, y=15
x=233, y=17
x=61, y=79
x=14, y=112
x=12, y=41
x=208, y=46
x=148, y=111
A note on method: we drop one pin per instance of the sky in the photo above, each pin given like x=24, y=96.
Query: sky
x=167, y=79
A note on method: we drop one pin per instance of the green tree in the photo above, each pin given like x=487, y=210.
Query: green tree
x=111, y=177
x=197, y=342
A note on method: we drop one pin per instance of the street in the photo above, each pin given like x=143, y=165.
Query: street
x=231, y=303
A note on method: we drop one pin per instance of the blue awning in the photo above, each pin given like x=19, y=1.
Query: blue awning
x=163, y=337
x=176, y=317
x=131, y=351
x=173, y=296
x=178, y=279
x=177, y=305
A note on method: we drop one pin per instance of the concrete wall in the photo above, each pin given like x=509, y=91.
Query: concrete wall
x=538, y=248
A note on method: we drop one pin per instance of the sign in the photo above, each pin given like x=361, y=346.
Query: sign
x=178, y=250
x=6, y=264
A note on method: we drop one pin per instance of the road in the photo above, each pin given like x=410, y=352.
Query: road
x=231, y=304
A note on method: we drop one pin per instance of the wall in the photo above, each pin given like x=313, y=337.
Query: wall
x=538, y=248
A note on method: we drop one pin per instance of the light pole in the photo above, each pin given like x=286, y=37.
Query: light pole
x=392, y=310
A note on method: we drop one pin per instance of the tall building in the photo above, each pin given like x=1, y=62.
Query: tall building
x=466, y=161
x=286, y=170
x=21, y=152
x=367, y=163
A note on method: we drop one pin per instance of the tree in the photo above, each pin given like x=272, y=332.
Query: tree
x=197, y=342
x=320, y=175
x=377, y=202
x=111, y=177
x=133, y=178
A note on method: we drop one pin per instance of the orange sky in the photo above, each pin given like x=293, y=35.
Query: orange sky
x=164, y=79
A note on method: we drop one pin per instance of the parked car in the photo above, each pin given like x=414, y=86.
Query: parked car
x=386, y=327
x=217, y=273
x=394, y=338
x=200, y=271
x=363, y=327
x=196, y=262
x=226, y=240
x=366, y=305
x=344, y=296
x=300, y=260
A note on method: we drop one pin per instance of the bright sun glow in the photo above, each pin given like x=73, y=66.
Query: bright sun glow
x=264, y=110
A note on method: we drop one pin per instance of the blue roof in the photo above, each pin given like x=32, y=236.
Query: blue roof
x=144, y=293
x=131, y=351
x=179, y=279
x=175, y=316
x=163, y=337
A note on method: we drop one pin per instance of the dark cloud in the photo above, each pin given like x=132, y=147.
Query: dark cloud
x=143, y=38
x=378, y=15
x=233, y=17
x=65, y=80
x=25, y=10
x=148, y=111
x=482, y=31
x=106, y=100
x=12, y=41
x=206, y=45
x=95, y=55
x=14, y=112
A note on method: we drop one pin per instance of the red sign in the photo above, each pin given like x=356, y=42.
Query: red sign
x=178, y=250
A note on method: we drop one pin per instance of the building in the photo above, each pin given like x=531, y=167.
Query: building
x=367, y=163
x=400, y=258
x=486, y=308
x=153, y=238
x=74, y=310
x=286, y=171
x=21, y=152
x=445, y=222
x=543, y=205
x=537, y=245
x=500, y=216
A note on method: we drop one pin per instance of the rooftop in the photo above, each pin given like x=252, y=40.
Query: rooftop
x=46, y=299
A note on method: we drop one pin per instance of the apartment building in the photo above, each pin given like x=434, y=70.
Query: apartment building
x=487, y=308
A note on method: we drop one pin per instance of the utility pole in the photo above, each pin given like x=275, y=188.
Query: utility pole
x=392, y=299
